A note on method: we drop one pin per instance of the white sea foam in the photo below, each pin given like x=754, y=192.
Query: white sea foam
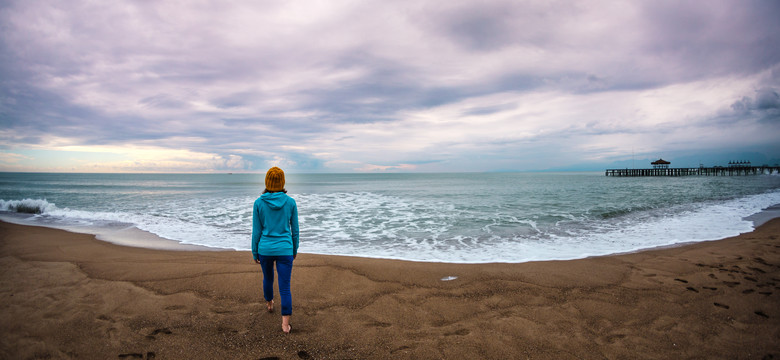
x=27, y=206
x=703, y=222
x=385, y=225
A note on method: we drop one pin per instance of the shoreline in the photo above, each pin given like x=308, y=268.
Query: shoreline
x=131, y=236
x=70, y=295
x=761, y=217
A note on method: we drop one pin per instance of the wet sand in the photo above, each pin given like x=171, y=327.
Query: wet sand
x=68, y=295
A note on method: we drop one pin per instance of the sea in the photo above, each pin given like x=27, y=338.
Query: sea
x=455, y=218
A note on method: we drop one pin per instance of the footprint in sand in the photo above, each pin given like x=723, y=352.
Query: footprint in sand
x=760, y=261
x=767, y=293
x=709, y=288
x=614, y=337
x=379, y=324
x=165, y=331
x=731, y=283
x=460, y=332
x=692, y=289
x=681, y=280
x=748, y=278
x=131, y=356
x=402, y=348
x=761, y=313
x=758, y=270
x=721, y=305
x=162, y=331
x=748, y=291
x=270, y=358
x=304, y=355
x=713, y=276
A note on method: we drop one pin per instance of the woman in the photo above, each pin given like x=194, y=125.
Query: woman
x=275, y=240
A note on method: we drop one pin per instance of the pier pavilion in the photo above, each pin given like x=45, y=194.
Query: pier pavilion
x=660, y=164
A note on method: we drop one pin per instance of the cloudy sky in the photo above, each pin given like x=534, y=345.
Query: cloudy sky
x=373, y=85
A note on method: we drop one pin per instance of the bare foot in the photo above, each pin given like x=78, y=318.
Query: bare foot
x=286, y=324
x=270, y=305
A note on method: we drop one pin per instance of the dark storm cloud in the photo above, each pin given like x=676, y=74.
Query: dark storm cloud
x=767, y=99
x=765, y=105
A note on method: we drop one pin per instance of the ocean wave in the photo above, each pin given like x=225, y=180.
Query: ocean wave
x=614, y=213
x=373, y=224
x=27, y=206
x=522, y=240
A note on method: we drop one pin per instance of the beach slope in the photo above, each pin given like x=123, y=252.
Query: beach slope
x=67, y=295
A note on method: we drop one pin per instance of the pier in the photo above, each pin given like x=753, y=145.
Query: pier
x=661, y=168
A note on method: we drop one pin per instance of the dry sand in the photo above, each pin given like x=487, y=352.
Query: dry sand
x=67, y=295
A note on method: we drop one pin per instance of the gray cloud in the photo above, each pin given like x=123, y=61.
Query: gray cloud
x=765, y=106
x=254, y=78
x=767, y=99
x=712, y=39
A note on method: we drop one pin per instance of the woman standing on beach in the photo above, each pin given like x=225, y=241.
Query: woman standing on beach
x=275, y=240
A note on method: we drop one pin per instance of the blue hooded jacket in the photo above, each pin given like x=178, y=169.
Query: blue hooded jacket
x=274, y=226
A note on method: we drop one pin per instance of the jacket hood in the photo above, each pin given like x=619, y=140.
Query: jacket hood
x=275, y=200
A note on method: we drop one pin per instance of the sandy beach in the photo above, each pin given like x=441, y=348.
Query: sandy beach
x=68, y=295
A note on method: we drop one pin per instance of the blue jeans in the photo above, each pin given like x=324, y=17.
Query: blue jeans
x=284, y=268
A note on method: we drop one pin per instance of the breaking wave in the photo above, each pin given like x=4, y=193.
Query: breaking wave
x=27, y=206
